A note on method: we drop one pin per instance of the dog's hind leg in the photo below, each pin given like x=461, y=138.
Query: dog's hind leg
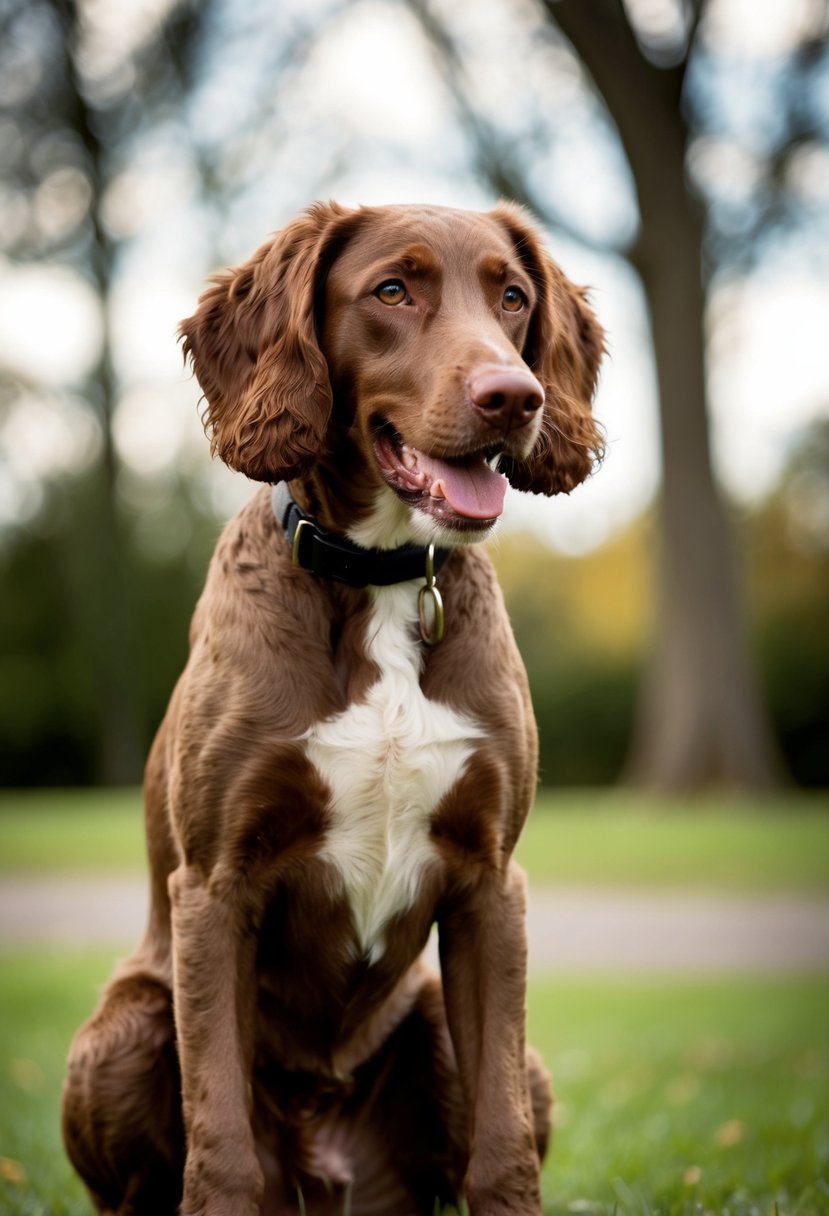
x=122, y=1123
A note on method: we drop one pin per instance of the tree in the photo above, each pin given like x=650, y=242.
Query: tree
x=701, y=717
x=71, y=118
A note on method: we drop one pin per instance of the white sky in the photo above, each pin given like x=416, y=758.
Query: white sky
x=768, y=370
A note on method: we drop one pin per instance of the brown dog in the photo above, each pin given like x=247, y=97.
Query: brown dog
x=350, y=753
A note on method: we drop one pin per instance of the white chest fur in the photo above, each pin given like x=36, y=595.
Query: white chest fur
x=388, y=761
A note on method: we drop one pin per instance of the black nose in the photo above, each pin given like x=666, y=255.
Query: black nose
x=507, y=397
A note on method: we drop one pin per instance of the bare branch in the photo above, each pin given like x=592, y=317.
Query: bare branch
x=496, y=160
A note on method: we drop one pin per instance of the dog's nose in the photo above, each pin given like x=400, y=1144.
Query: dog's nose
x=507, y=397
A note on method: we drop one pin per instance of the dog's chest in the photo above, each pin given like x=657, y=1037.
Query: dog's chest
x=388, y=761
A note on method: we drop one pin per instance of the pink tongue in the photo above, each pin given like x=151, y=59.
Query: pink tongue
x=475, y=491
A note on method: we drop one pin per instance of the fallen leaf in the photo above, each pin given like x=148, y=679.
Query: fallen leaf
x=12, y=1171
x=730, y=1133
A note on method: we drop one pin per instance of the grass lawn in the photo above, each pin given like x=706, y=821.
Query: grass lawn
x=572, y=837
x=79, y=830
x=673, y=1096
x=619, y=838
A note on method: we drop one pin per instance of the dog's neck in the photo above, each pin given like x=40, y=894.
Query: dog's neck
x=334, y=555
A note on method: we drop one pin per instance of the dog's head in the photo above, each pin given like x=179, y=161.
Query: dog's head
x=424, y=351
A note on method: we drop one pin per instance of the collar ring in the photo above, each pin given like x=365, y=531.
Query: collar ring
x=430, y=604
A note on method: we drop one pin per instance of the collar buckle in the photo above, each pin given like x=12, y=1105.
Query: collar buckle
x=303, y=528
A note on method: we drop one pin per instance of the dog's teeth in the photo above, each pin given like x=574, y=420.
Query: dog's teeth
x=408, y=457
x=437, y=490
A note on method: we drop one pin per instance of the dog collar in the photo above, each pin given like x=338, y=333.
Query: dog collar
x=329, y=555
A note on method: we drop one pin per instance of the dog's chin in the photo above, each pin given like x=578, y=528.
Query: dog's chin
x=450, y=500
x=442, y=520
x=393, y=522
x=427, y=528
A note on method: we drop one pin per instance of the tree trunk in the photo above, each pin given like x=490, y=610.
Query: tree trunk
x=97, y=580
x=701, y=718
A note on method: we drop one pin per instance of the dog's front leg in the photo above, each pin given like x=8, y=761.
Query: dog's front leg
x=214, y=951
x=483, y=955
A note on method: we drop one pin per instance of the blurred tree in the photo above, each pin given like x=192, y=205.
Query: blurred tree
x=701, y=717
x=50, y=710
x=71, y=113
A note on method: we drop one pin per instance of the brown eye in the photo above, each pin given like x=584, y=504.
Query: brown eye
x=514, y=299
x=391, y=292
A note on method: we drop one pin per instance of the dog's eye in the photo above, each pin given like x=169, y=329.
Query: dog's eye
x=391, y=292
x=514, y=300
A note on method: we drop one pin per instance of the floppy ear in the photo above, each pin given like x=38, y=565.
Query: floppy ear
x=253, y=345
x=564, y=347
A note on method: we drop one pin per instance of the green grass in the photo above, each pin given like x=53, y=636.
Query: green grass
x=673, y=1094
x=572, y=837
x=618, y=838
x=84, y=830
x=673, y=1097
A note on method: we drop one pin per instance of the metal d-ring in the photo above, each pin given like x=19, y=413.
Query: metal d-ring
x=430, y=604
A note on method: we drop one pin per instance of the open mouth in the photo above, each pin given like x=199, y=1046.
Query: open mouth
x=464, y=491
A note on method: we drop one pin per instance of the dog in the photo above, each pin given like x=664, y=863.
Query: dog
x=350, y=753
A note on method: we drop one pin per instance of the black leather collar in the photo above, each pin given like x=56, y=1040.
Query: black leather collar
x=331, y=556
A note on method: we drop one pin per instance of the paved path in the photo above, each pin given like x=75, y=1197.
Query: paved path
x=569, y=929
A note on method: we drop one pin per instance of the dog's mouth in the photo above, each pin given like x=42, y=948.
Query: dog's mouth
x=463, y=491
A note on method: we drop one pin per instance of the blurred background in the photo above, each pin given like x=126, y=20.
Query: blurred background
x=673, y=611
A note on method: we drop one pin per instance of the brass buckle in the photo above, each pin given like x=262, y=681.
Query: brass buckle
x=300, y=528
x=430, y=604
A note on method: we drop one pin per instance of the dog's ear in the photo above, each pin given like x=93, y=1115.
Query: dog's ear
x=564, y=347
x=254, y=348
